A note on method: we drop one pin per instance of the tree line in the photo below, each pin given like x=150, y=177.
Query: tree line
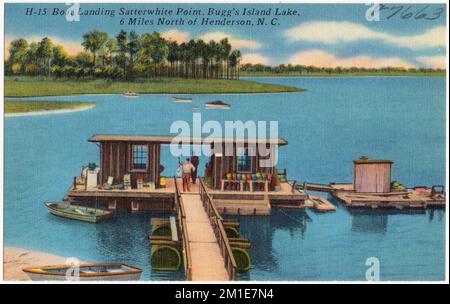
x=125, y=56
x=290, y=69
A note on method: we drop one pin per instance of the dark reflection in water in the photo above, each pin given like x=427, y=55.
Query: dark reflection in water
x=375, y=221
x=125, y=239
x=260, y=231
x=439, y=212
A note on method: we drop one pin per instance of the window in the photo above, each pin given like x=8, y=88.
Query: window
x=140, y=157
x=244, y=160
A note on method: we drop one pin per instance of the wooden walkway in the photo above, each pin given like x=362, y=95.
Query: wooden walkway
x=207, y=261
x=207, y=254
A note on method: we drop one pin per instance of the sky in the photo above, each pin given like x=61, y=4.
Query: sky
x=324, y=35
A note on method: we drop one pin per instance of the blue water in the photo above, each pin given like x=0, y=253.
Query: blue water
x=332, y=123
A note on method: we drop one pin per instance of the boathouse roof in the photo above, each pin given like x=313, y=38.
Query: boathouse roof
x=167, y=139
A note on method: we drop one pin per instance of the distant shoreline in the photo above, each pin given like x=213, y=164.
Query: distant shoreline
x=49, y=112
x=355, y=75
x=38, y=87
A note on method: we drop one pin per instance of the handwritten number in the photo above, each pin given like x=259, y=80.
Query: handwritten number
x=420, y=14
x=399, y=8
x=406, y=14
x=437, y=14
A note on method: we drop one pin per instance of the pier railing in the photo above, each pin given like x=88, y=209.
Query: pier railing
x=181, y=216
x=219, y=231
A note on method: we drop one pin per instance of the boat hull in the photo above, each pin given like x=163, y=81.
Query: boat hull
x=217, y=107
x=87, y=272
x=43, y=277
x=80, y=217
x=182, y=100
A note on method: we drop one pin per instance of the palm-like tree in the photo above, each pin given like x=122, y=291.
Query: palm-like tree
x=93, y=42
x=204, y=51
x=173, y=56
x=122, y=51
x=234, y=59
x=225, y=49
x=216, y=56
x=134, y=45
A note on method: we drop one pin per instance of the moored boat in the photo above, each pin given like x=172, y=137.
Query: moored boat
x=131, y=94
x=218, y=104
x=76, y=212
x=181, y=99
x=84, y=272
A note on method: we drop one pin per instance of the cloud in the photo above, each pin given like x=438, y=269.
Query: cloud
x=71, y=46
x=336, y=32
x=434, y=62
x=176, y=35
x=255, y=58
x=235, y=42
x=321, y=58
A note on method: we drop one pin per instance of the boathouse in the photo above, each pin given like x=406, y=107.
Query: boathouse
x=140, y=156
x=239, y=175
x=372, y=176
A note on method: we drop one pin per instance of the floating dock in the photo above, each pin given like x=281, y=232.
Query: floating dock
x=418, y=198
x=320, y=204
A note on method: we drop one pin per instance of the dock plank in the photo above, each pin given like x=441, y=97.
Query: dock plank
x=207, y=261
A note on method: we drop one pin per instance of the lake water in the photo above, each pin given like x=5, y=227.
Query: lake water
x=328, y=126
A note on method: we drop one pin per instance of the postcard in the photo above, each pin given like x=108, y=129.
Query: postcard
x=215, y=142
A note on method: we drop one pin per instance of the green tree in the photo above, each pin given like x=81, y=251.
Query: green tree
x=134, y=45
x=173, y=57
x=93, y=42
x=108, y=51
x=225, y=49
x=60, y=56
x=235, y=58
x=216, y=56
x=122, y=51
x=154, y=50
x=17, y=56
x=45, y=53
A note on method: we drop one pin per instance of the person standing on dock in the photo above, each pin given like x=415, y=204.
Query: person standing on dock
x=187, y=168
x=195, y=162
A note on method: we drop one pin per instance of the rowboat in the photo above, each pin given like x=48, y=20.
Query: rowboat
x=75, y=212
x=84, y=272
x=218, y=104
x=181, y=99
x=131, y=94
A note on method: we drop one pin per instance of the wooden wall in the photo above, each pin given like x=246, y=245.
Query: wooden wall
x=225, y=164
x=372, y=177
x=116, y=158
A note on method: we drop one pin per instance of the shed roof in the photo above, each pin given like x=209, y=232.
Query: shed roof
x=372, y=161
x=168, y=139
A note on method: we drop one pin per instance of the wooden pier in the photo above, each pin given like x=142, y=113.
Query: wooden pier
x=207, y=252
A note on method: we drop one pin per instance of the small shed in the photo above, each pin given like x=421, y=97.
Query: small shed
x=372, y=176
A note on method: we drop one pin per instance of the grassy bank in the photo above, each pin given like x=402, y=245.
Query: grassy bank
x=29, y=86
x=360, y=74
x=14, y=107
